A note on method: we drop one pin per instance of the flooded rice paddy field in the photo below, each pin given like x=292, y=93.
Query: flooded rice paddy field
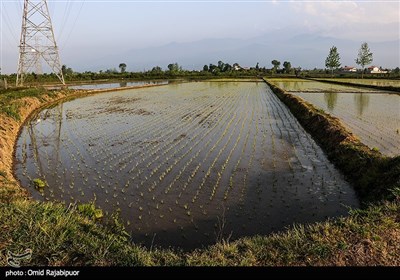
x=373, y=117
x=93, y=86
x=373, y=82
x=302, y=85
x=183, y=163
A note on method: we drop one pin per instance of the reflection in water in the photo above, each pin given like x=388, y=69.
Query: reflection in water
x=172, y=159
x=116, y=85
x=297, y=86
x=46, y=137
x=331, y=100
x=361, y=102
x=373, y=117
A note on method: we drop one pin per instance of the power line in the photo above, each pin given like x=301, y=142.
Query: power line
x=7, y=20
x=67, y=12
x=73, y=25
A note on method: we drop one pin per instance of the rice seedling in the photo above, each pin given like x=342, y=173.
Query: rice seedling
x=228, y=144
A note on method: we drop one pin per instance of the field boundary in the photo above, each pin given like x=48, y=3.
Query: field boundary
x=372, y=174
x=62, y=236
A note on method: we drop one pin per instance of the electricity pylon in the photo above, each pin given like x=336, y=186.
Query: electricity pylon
x=37, y=27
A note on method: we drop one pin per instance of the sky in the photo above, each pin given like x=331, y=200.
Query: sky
x=87, y=31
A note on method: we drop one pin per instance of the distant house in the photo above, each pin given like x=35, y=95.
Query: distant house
x=376, y=70
x=349, y=69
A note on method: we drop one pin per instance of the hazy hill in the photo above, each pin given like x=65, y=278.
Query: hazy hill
x=305, y=50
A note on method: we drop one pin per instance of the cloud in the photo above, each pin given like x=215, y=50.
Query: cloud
x=358, y=18
x=334, y=12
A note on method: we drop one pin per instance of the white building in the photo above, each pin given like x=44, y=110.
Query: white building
x=375, y=70
x=349, y=69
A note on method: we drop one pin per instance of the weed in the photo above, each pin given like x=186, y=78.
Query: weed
x=39, y=183
x=89, y=210
x=11, y=110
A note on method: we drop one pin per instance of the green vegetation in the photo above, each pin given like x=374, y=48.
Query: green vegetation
x=39, y=183
x=276, y=64
x=66, y=71
x=287, y=67
x=90, y=210
x=61, y=235
x=333, y=60
x=122, y=67
x=364, y=57
x=10, y=99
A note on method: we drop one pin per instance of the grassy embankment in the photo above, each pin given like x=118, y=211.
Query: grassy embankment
x=61, y=235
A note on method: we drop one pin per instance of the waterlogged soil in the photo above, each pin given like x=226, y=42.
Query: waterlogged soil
x=184, y=164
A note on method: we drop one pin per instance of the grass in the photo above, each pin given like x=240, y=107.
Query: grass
x=90, y=210
x=62, y=235
x=10, y=99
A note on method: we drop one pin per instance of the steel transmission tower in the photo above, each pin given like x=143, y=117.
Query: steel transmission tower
x=37, y=41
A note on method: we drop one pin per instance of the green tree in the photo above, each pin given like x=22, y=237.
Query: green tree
x=227, y=67
x=122, y=67
x=174, y=68
x=156, y=70
x=332, y=61
x=221, y=65
x=276, y=64
x=396, y=71
x=66, y=71
x=212, y=68
x=288, y=66
x=297, y=71
x=205, y=68
x=364, y=57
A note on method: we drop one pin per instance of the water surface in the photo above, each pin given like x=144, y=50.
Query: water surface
x=184, y=163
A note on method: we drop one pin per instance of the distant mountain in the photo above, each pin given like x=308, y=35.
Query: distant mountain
x=301, y=49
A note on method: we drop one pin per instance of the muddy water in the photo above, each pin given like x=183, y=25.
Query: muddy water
x=185, y=164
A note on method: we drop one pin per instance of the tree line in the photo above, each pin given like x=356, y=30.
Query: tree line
x=364, y=58
x=220, y=69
